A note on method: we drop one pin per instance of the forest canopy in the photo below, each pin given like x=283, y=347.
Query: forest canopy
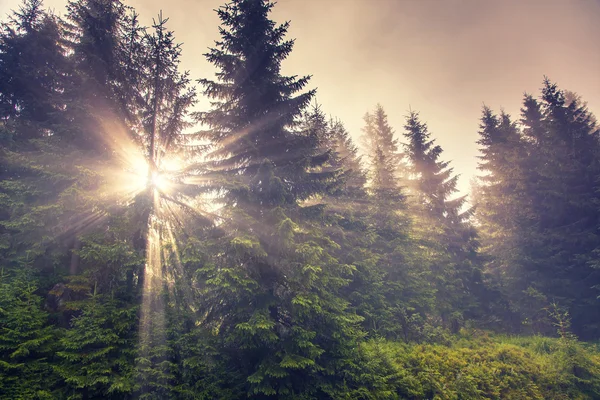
x=153, y=250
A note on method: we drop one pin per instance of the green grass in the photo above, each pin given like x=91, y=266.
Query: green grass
x=480, y=366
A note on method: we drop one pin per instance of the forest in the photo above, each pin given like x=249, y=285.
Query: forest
x=255, y=249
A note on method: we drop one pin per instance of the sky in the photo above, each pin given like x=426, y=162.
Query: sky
x=442, y=58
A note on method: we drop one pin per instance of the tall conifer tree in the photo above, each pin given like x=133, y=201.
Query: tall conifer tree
x=502, y=208
x=33, y=71
x=389, y=284
x=444, y=222
x=563, y=193
x=271, y=289
x=346, y=157
x=383, y=155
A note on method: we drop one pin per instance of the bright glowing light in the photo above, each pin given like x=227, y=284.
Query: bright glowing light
x=129, y=176
x=136, y=177
x=171, y=164
x=159, y=181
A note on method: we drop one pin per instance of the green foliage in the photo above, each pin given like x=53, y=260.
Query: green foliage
x=479, y=367
x=27, y=340
x=444, y=227
x=32, y=70
x=538, y=207
x=279, y=318
x=97, y=352
x=315, y=279
x=258, y=154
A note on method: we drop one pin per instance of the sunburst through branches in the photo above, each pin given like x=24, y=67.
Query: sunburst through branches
x=165, y=193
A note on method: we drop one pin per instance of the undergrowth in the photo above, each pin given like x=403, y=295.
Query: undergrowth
x=477, y=365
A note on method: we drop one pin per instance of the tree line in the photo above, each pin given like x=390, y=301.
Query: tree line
x=315, y=248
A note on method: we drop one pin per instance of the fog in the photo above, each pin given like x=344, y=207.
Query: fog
x=442, y=58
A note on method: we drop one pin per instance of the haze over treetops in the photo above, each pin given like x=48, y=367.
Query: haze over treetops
x=276, y=222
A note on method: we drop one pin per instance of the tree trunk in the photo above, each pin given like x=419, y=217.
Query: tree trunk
x=75, y=257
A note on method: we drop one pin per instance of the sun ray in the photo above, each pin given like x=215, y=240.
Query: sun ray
x=171, y=191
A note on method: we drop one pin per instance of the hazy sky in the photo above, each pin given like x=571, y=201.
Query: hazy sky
x=443, y=58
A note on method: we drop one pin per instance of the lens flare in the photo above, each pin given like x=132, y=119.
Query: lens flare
x=159, y=181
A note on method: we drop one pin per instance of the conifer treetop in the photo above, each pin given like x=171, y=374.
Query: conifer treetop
x=254, y=123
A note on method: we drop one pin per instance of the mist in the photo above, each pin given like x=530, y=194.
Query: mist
x=443, y=59
x=177, y=221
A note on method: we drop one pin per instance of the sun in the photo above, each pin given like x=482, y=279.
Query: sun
x=160, y=181
x=138, y=177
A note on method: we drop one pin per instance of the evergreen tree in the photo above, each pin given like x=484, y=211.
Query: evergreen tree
x=165, y=99
x=27, y=340
x=32, y=72
x=388, y=289
x=133, y=57
x=271, y=288
x=107, y=56
x=343, y=154
x=169, y=97
x=256, y=110
x=562, y=190
x=346, y=158
x=501, y=206
x=445, y=223
x=115, y=290
x=385, y=162
x=98, y=351
x=94, y=30
x=538, y=214
x=433, y=182
x=53, y=205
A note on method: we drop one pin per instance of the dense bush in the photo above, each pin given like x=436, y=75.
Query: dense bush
x=480, y=367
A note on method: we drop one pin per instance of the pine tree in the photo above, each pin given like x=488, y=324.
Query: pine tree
x=538, y=208
x=32, y=73
x=97, y=352
x=346, y=158
x=106, y=49
x=256, y=108
x=343, y=157
x=375, y=233
x=433, y=182
x=501, y=207
x=165, y=99
x=27, y=340
x=444, y=223
x=385, y=161
x=133, y=57
x=271, y=288
x=95, y=31
x=59, y=194
x=562, y=191
x=169, y=97
x=503, y=152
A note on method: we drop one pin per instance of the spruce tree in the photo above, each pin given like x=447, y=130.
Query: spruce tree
x=562, y=190
x=106, y=51
x=537, y=207
x=346, y=158
x=97, y=352
x=256, y=108
x=94, y=30
x=445, y=223
x=271, y=288
x=388, y=285
x=503, y=153
x=169, y=97
x=502, y=209
x=385, y=161
x=335, y=141
x=27, y=339
x=32, y=73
